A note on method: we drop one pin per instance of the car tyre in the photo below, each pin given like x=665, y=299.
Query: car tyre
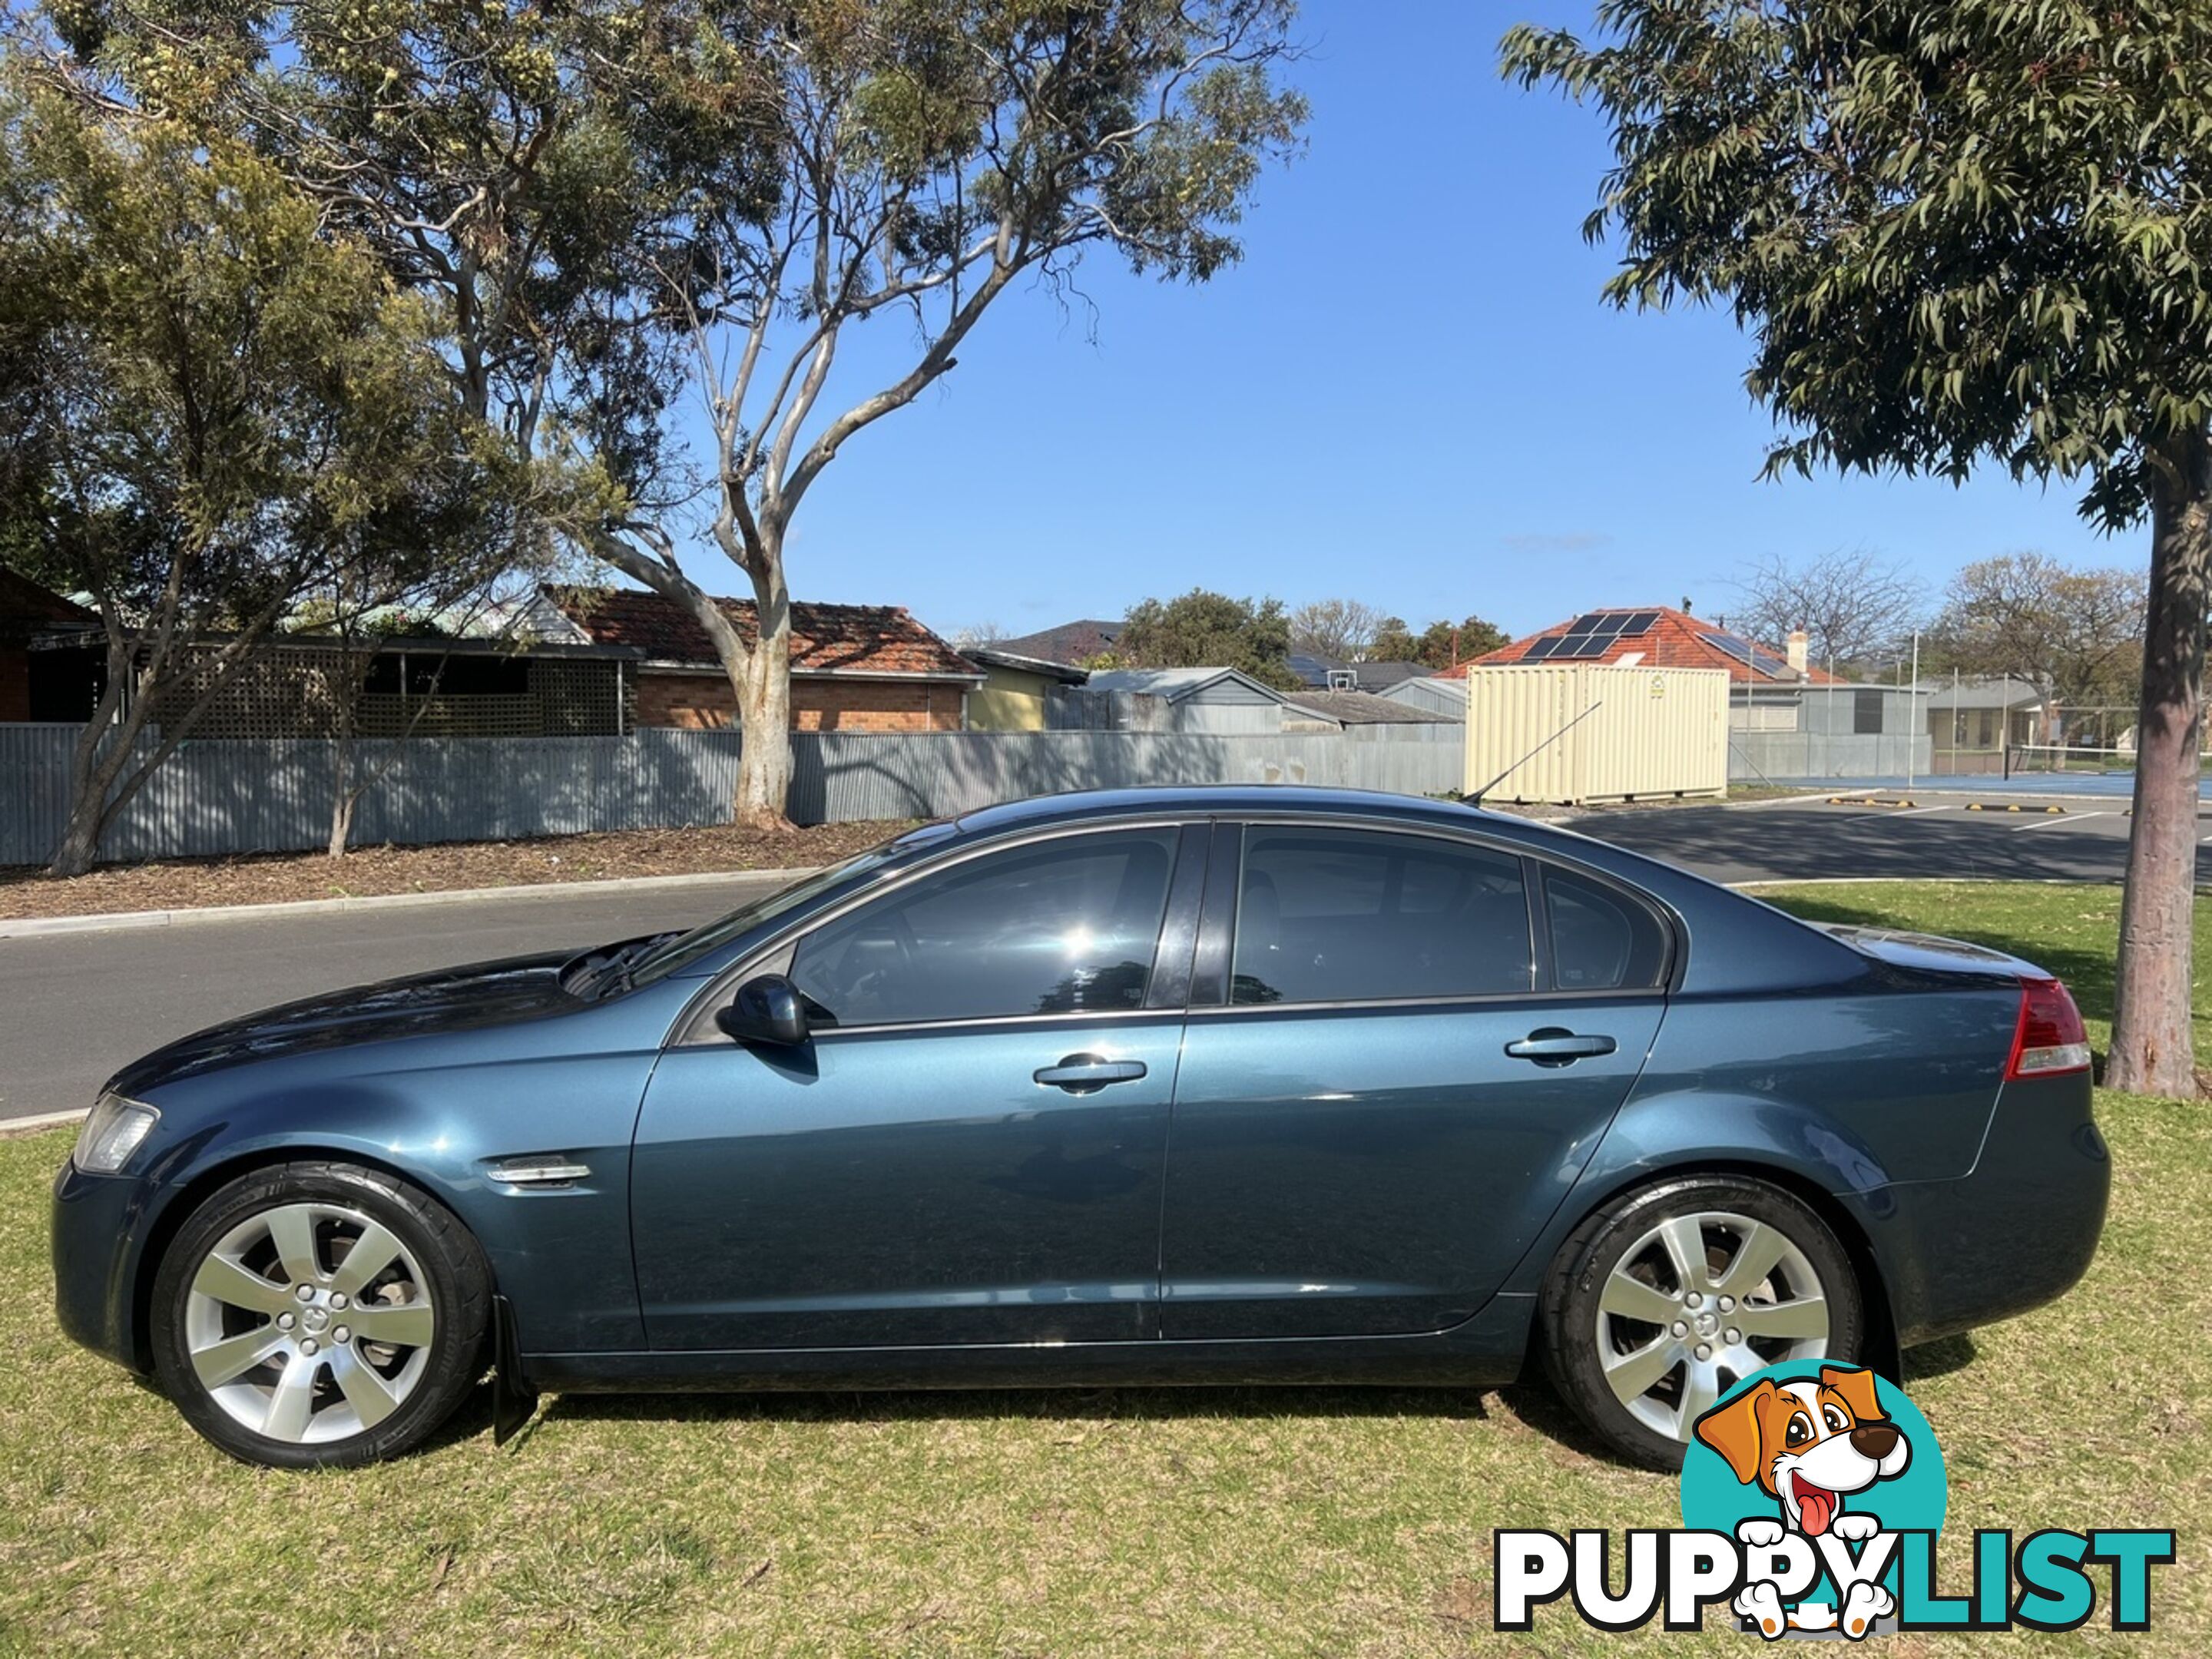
x=282, y=1341
x=1616, y=1307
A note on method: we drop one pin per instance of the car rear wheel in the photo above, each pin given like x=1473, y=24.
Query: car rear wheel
x=1667, y=1295
x=319, y=1314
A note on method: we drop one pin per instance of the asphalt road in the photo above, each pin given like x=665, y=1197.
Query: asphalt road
x=1936, y=837
x=75, y=1006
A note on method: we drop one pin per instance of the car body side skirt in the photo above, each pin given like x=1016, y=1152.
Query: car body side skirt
x=1484, y=1350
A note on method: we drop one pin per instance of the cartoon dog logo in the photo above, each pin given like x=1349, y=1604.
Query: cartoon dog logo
x=1809, y=1445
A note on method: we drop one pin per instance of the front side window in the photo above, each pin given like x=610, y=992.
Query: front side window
x=1060, y=926
x=1340, y=915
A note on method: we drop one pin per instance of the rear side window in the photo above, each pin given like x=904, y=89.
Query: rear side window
x=1602, y=940
x=1060, y=926
x=1330, y=915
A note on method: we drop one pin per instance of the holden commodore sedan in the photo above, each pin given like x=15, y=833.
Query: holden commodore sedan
x=1242, y=1085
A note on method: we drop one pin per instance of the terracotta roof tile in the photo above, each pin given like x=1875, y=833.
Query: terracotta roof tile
x=1674, y=640
x=825, y=639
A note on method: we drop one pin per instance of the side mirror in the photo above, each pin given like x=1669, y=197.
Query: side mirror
x=768, y=1009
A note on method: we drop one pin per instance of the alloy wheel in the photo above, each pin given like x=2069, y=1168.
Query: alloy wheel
x=309, y=1322
x=1698, y=1303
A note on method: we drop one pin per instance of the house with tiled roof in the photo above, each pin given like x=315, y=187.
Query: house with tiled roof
x=1657, y=636
x=853, y=667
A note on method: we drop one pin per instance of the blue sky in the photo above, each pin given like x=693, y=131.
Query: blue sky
x=1408, y=393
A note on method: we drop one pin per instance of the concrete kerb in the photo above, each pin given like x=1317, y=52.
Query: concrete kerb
x=12, y=1127
x=32, y=926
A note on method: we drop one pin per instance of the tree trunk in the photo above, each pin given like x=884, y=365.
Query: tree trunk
x=102, y=754
x=343, y=794
x=80, y=841
x=759, y=676
x=763, y=691
x=91, y=811
x=2152, y=1052
x=346, y=685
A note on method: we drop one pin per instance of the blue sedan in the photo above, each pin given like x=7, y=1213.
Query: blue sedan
x=1243, y=1085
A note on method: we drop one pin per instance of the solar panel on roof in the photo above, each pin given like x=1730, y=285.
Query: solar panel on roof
x=1540, y=650
x=1640, y=622
x=1744, y=651
x=1578, y=647
x=1740, y=649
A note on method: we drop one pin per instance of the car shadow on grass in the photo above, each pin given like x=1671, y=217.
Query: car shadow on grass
x=1072, y=1404
x=1530, y=1403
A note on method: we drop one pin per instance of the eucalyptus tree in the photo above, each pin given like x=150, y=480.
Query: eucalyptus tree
x=209, y=409
x=910, y=160
x=1957, y=234
x=614, y=203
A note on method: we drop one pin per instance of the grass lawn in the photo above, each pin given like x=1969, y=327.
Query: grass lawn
x=1130, y=1521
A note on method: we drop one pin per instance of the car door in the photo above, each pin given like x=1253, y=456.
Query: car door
x=970, y=1146
x=1401, y=1049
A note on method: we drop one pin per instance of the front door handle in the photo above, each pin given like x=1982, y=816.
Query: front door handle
x=1079, y=1074
x=1555, y=1045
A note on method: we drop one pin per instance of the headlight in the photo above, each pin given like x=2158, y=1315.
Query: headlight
x=112, y=1133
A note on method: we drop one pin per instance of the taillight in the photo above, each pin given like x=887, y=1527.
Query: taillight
x=2050, y=1038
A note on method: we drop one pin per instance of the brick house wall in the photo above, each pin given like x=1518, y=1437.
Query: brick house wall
x=701, y=701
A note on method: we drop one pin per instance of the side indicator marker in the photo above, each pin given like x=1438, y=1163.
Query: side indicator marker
x=543, y=1171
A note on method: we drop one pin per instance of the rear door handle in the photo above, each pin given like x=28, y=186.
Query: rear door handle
x=1081, y=1074
x=1555, y=1045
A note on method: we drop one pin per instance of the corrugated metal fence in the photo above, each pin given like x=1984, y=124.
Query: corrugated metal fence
x=268, y=795
x=1809, y=757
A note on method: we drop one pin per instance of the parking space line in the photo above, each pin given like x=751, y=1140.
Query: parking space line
x=1892, y=816
x=2054, y=823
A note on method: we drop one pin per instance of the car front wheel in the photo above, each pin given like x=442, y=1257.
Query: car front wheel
x=1665, y=1296
x=317, y=1314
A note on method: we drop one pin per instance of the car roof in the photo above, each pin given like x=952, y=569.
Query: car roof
x=1221, y=800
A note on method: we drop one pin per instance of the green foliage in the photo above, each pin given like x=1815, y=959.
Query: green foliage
x=209, y=402
x=1440, y=645
x=1954, y=231
x=615, y=211
x=213, y=407
x=1203, y=629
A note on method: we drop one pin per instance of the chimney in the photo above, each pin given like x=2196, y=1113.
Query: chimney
x=1797, y=644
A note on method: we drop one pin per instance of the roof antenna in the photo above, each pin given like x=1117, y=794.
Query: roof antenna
x=1474, y=797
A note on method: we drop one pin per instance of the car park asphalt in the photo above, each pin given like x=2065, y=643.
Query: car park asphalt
x=1946, y=835
x=75, y=1006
